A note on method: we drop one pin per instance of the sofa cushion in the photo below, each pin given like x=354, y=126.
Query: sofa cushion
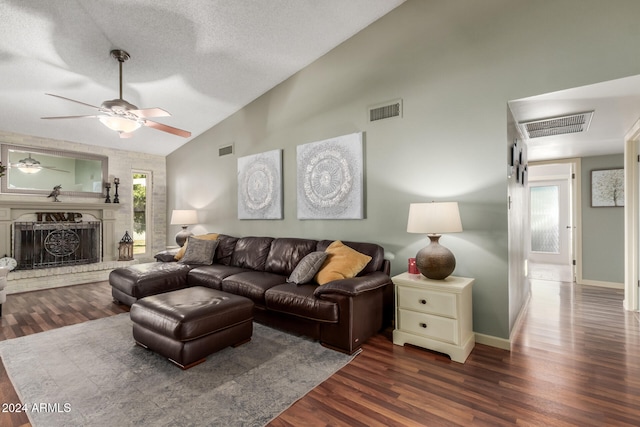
x=211, y=276
x=298, y=300
x=199, y=251
x=252, y=284
x=286, y=253
x=376, y=252
x=251, y=252
x=141, y=280
x=168, y=255
x=226, y=245
x=211, y=236
x=307, y=268
x=342, y=262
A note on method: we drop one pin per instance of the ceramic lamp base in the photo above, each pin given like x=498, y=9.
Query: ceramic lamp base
x=435, y=261
x=183, y=235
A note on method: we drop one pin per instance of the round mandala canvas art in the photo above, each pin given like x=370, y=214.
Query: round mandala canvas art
x=330, y=182
x=260, y=186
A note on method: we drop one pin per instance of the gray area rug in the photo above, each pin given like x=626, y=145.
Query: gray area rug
x=92, y=374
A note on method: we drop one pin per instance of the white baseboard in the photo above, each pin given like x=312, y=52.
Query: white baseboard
x=613, y=285
x=492, y=341
x=520, y=318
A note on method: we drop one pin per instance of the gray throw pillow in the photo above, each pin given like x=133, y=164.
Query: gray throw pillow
x=307, y=268
x=199, y=251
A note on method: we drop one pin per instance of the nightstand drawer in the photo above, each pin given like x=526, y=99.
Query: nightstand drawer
x=439, y=328
x=427, y=301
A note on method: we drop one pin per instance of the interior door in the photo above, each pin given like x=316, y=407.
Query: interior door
x=550, y=222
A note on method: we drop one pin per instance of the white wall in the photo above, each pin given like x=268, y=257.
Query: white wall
x=455, y=64
x=518, y=209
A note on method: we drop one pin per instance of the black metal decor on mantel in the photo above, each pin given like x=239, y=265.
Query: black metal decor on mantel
x=116, y=182
x=107, y=186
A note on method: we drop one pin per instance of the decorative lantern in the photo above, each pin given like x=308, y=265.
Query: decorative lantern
x=125, y=248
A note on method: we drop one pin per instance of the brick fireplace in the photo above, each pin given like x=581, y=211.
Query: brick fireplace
x=58, y=244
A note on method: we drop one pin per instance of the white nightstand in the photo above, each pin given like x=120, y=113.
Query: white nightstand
x=435, y=314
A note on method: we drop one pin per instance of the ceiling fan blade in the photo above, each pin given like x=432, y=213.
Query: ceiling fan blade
x=150, y=112
x=53, y=168
x=73, y=100
x=71, y=117
x=166, y=128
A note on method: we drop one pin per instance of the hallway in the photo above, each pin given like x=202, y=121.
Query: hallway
x=553, y=272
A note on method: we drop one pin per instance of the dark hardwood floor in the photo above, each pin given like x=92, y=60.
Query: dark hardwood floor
x=575, y=361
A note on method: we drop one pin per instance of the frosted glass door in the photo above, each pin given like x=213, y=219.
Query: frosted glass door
x=550, y=222
x=545, y=217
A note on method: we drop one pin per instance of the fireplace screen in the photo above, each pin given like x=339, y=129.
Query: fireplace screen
x=44, y=245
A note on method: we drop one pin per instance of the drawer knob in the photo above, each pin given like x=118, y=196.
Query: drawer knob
x=423, y=301
x=423, y=325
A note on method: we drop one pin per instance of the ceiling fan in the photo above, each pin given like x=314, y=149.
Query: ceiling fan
x=120, y=115
x=30, y=165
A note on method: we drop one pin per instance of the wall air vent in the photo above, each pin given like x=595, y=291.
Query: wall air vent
x=553, y=126
x=225, y=150
x=385, y=110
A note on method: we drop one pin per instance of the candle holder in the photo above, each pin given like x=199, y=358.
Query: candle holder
x=108, y=187
x=116, y=182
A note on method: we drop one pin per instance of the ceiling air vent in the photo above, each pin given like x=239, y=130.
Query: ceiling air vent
x=561, y=125
x=386, y=110
x=225, y=150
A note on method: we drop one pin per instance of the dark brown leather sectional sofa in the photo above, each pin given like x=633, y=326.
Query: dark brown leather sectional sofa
x=341, y=314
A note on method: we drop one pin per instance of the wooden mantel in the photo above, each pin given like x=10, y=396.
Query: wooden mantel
x=11, y=210
x=56, y=206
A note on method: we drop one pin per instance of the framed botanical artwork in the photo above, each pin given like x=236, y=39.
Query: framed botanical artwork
x=330, y=178
x=607, y=187
x=260, y=186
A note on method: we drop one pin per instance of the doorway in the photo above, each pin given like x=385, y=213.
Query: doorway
x=141, y=212
x=550, y=237
x=632, y=218
x=616, y=106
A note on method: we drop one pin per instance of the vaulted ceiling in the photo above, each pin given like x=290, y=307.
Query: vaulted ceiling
x=201, y=60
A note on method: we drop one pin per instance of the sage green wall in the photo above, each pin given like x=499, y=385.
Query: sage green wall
x=602, y=228
x=455, y=64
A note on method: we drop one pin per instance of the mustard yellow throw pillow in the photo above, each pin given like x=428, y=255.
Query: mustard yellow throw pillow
x=342, y=263
x=183, y=249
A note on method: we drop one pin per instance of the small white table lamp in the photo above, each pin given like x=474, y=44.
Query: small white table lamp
x=434, y=261
x=184, y=218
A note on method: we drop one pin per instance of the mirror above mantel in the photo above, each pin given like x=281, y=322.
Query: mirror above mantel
x=32, y=170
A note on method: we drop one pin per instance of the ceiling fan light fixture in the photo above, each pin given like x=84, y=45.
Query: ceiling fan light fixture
x=29, y=165
x=120, y=124
x=122, y=116
x=30, y=169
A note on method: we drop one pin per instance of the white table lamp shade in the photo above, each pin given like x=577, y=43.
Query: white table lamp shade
x=434, y=218
x=184, y=217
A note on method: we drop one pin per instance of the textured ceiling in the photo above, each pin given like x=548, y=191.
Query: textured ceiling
x=201, y=60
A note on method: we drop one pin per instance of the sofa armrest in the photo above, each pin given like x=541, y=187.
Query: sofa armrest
x=166, y=256
x=355, y=286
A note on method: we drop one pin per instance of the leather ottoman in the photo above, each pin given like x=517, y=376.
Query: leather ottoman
x=189, y=324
